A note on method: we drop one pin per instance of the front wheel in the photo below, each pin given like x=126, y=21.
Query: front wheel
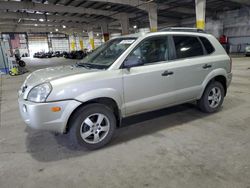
x=92, y=126
x=212, y=97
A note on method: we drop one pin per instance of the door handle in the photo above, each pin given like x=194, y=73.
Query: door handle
x=206, y=66
x=167, y=73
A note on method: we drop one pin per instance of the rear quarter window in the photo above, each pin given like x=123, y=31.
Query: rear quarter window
x=187, y=46
x=207, y=45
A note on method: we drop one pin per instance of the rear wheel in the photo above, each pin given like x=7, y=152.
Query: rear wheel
x=21, y=63
x=92, y=126
x=212, y=97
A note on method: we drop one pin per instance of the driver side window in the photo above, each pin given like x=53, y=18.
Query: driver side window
x=151, y=50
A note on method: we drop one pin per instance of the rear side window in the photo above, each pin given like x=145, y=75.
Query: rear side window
x=208, y=46
x=187, y=46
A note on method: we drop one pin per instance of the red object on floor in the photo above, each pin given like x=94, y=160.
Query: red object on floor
x=223, y=39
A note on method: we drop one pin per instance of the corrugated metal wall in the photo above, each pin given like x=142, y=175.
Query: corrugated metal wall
x=38, y=43
x=60, y=44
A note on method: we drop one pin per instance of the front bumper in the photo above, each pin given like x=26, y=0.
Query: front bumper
x=40, y=116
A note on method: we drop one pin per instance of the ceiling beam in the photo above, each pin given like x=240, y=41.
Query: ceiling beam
x=144, y=5
x=33, y=29
x=24, y=5
x=243, y=2
x=134, y=3
x=33, y=16
x=81, y=26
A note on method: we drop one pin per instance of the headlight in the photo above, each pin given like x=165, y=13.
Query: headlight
x=40, y=93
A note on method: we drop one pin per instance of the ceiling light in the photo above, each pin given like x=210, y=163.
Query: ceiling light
x=56, y=29
x=64, y=26
x=36, y=25
x=135, y=26
x=41, y=20
x=108, y=7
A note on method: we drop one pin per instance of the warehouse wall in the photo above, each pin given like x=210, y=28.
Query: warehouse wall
x=237, y=22
x=16, y=40
x=234, y=24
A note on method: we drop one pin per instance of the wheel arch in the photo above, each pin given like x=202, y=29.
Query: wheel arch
x=107, y=101
x=218, y=75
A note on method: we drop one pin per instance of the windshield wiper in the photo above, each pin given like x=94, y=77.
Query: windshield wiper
x=85, y=65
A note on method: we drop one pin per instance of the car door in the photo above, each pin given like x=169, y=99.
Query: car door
x=149, y=86
x=192, y=67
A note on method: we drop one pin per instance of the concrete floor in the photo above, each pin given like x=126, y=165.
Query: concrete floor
x=175, y=147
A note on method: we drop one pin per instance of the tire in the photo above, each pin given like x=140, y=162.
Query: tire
x=84, y=122
x=209, y=102
x=11, y=73
x=22, y=63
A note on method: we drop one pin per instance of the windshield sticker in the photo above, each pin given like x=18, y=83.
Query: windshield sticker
x=126, y=41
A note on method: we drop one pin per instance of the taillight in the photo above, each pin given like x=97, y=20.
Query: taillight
x=231, y=64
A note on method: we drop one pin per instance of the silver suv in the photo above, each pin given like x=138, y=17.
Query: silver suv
x=126, y=76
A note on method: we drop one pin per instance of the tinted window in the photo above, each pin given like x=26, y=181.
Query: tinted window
x=208, y=46
x=187, y=46
x=152, y=50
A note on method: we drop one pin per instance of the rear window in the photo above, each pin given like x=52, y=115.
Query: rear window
x=187, y=46
x=208, y=46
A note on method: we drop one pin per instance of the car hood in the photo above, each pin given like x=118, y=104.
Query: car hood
x=52, y=73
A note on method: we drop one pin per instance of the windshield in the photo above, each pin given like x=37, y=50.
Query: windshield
x=105, y=55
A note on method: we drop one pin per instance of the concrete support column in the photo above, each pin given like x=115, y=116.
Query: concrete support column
x=153, y=16
x=105, y=32
x=91, y=40
x=124, y=20
x=81, y=43
x=200, y=9
x=72, y=43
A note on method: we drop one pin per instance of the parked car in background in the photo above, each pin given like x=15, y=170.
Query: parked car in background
x=58, y=54
x=247, y=50
x=126, y=76
x=80, y=54
x=49, y=54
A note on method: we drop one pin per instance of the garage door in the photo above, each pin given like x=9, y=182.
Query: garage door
x=61, y=44
x=38, y=43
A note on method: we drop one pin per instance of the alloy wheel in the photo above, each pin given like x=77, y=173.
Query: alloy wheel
x=214, y=97
x=94, y=128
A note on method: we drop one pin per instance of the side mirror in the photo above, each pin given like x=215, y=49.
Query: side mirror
x=132, y=61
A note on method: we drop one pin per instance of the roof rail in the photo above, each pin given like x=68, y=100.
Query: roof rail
x=183, y=29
